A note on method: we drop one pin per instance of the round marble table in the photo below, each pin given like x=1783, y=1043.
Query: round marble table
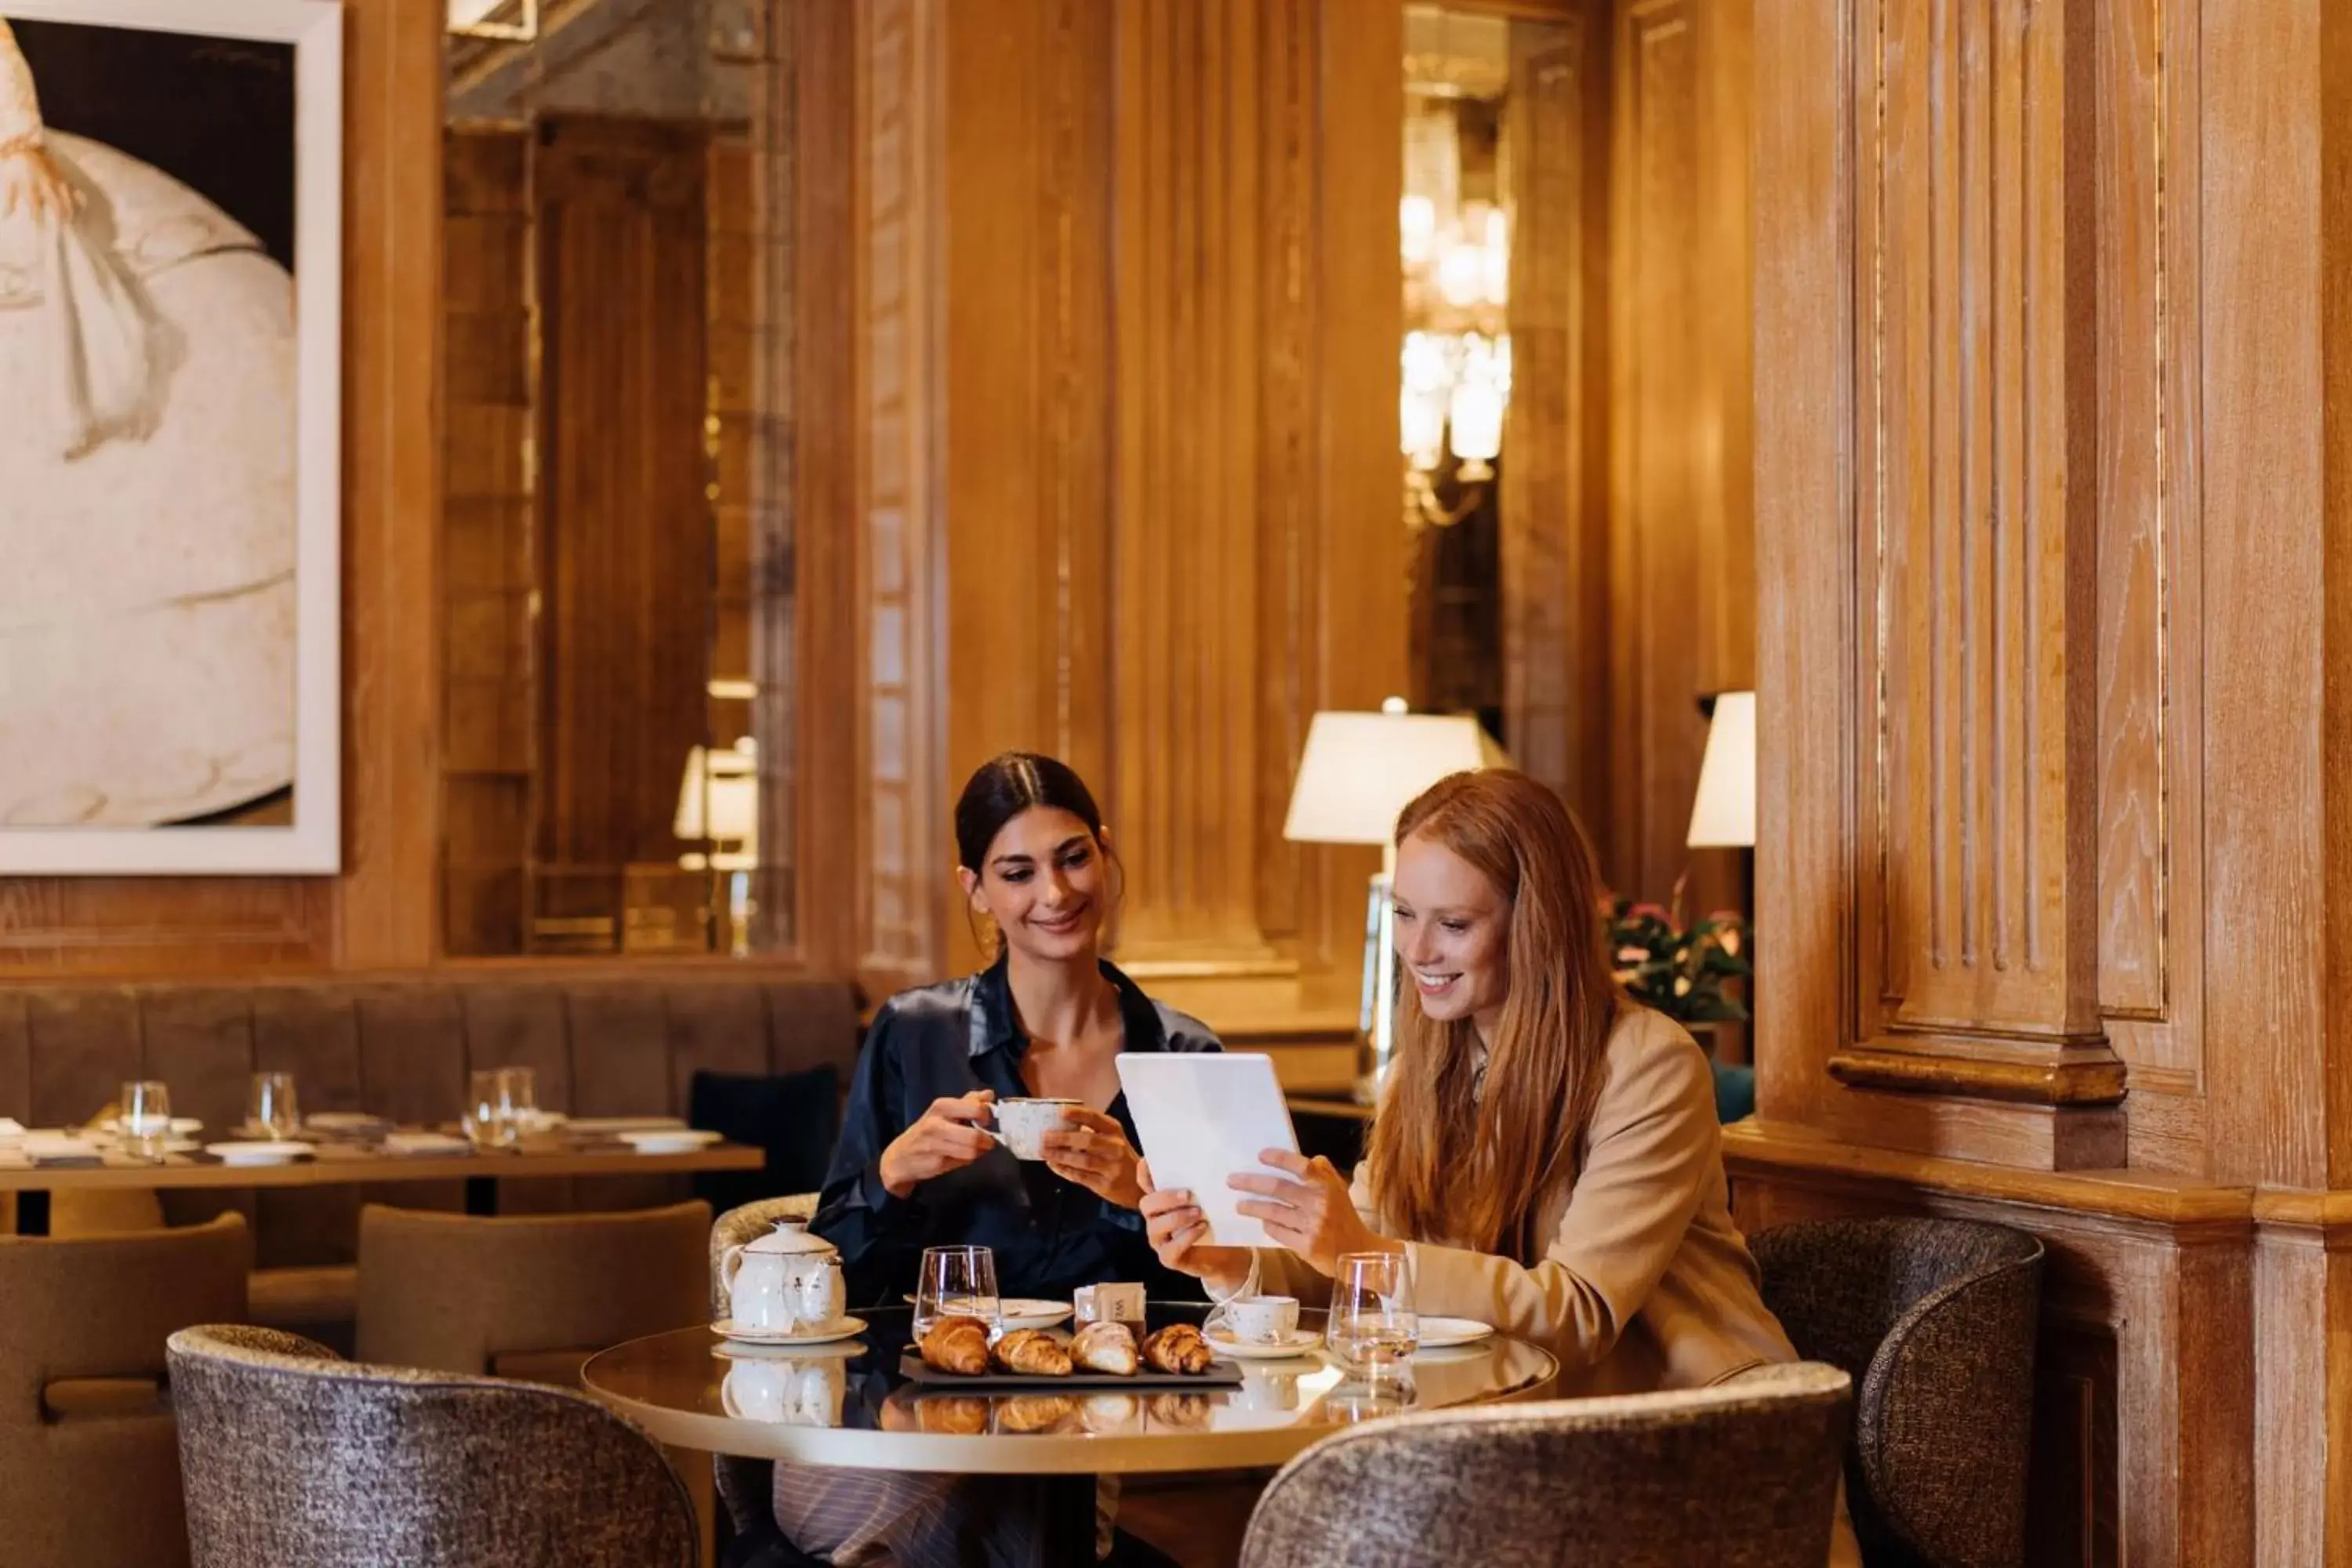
x=846, y=1405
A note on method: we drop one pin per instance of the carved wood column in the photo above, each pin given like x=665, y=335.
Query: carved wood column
x=1975, y=549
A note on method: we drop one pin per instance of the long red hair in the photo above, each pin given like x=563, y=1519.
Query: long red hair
x=1449, y=1162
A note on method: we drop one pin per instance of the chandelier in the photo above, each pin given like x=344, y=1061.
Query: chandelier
x=1456, y=363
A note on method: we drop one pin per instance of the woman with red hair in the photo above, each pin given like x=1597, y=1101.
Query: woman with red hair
x=1546, y=1151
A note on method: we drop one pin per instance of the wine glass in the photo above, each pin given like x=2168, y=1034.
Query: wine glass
x=957, y=1282
x=146, y=1122
x=1372, y=1326
x=271, y=1110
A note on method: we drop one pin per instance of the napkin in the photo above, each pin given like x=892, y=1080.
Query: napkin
x=10, y=1128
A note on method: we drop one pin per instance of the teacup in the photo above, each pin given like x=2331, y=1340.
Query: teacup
x=1022, y=1124
x=1265, y=1390
x=1263, y=1319
x=787, y=1393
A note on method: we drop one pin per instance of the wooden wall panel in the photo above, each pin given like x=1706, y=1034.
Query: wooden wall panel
x=1117, y=461
x=1978, y=767
x=1556, y=509
x=1657, y=735
x=625, y=549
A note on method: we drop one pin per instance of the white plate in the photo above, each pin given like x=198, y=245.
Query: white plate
x=258, y=1153
x=1442, y=1333
x=839, y=1329
x=672, y=1141
x=1301, y=1342
x=1024, y=1313
x=414, y=1145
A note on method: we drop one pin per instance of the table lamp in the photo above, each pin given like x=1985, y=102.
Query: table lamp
x=1722, y=814
x=718, y=803
x=1358, y=771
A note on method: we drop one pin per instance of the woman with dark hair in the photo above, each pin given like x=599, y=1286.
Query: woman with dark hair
x=1046, y=1020
x=1546, y=1153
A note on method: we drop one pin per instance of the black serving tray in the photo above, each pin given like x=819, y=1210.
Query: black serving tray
x=915, y=1369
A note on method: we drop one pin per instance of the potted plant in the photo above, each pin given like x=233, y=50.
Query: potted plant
x=1680, y=971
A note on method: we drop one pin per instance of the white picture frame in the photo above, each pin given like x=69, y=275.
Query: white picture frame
x=311, y=842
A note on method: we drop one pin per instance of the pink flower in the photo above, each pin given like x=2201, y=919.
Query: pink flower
x=1631, y=955
x=1655, y=911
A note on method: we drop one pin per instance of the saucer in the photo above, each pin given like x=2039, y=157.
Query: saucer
x=839, y=1329
x=1443, y=1333
x=1299, y=1342
x=670, y=1140
x=258, y=1153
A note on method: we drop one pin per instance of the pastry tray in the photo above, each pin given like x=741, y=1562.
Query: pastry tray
x=915, y=1369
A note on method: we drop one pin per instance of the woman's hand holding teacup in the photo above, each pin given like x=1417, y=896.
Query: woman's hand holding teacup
x=943, y=1139
x=1311, y=1212
x=1091, y=1149
x=1176, y=1226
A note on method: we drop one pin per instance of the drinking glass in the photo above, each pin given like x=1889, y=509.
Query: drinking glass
x=488, y=1122
x=521, y=1091
x=146, y=1123
x=1372, y=1326
x=957, y=1282
x=271, y=1110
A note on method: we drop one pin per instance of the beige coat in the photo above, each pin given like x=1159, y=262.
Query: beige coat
x=1647, y=1284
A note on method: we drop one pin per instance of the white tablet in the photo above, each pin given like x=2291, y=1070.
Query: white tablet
x=1203, y=1117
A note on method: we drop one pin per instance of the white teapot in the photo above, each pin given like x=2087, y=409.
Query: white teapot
x=786, y=1392
x=786, y=1282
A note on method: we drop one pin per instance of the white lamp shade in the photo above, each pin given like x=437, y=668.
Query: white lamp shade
x=1724, y=815
x=719, y=798
x=1359, y=769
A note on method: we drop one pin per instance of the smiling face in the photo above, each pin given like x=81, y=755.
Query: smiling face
x=1452, y=929
x=1042, y=884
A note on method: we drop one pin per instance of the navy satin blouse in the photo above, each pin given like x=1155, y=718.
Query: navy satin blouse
x=1049, y=1235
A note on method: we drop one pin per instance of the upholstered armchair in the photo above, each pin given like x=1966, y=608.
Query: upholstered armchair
x=1934, y=1321
x=1742, y=1474
x=295, y=1457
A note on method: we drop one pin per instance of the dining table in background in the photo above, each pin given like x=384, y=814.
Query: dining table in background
x=336, y=1165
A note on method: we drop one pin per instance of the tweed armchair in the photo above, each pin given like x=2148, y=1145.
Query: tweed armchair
x=90, y=1468
x=295, y=1457
x=1742, y=1474
x=746, y=1485
x=1934, y=1321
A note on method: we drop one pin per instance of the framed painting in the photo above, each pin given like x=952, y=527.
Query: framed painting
x=171, y=327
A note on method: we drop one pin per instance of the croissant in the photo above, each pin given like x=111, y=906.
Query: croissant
x=1104, y=1414
x=1105, y=1347
x=1179, y=1412
x=1031, y=1352
x=960, y=1415
x=1178, y=1348
x=1034, y=1411
x=956, y=1344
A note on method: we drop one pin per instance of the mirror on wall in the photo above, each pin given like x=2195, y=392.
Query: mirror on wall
x=618, y=528
x=1454, y=229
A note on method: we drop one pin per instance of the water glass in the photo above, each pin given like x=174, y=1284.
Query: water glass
x=271, y=1110
x=521, y=1089
x=957, y=1282
x=488, y=1120
x=1372, y=1326
x=146, y=1123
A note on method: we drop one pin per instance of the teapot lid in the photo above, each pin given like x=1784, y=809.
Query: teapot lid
x=790, y=1238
